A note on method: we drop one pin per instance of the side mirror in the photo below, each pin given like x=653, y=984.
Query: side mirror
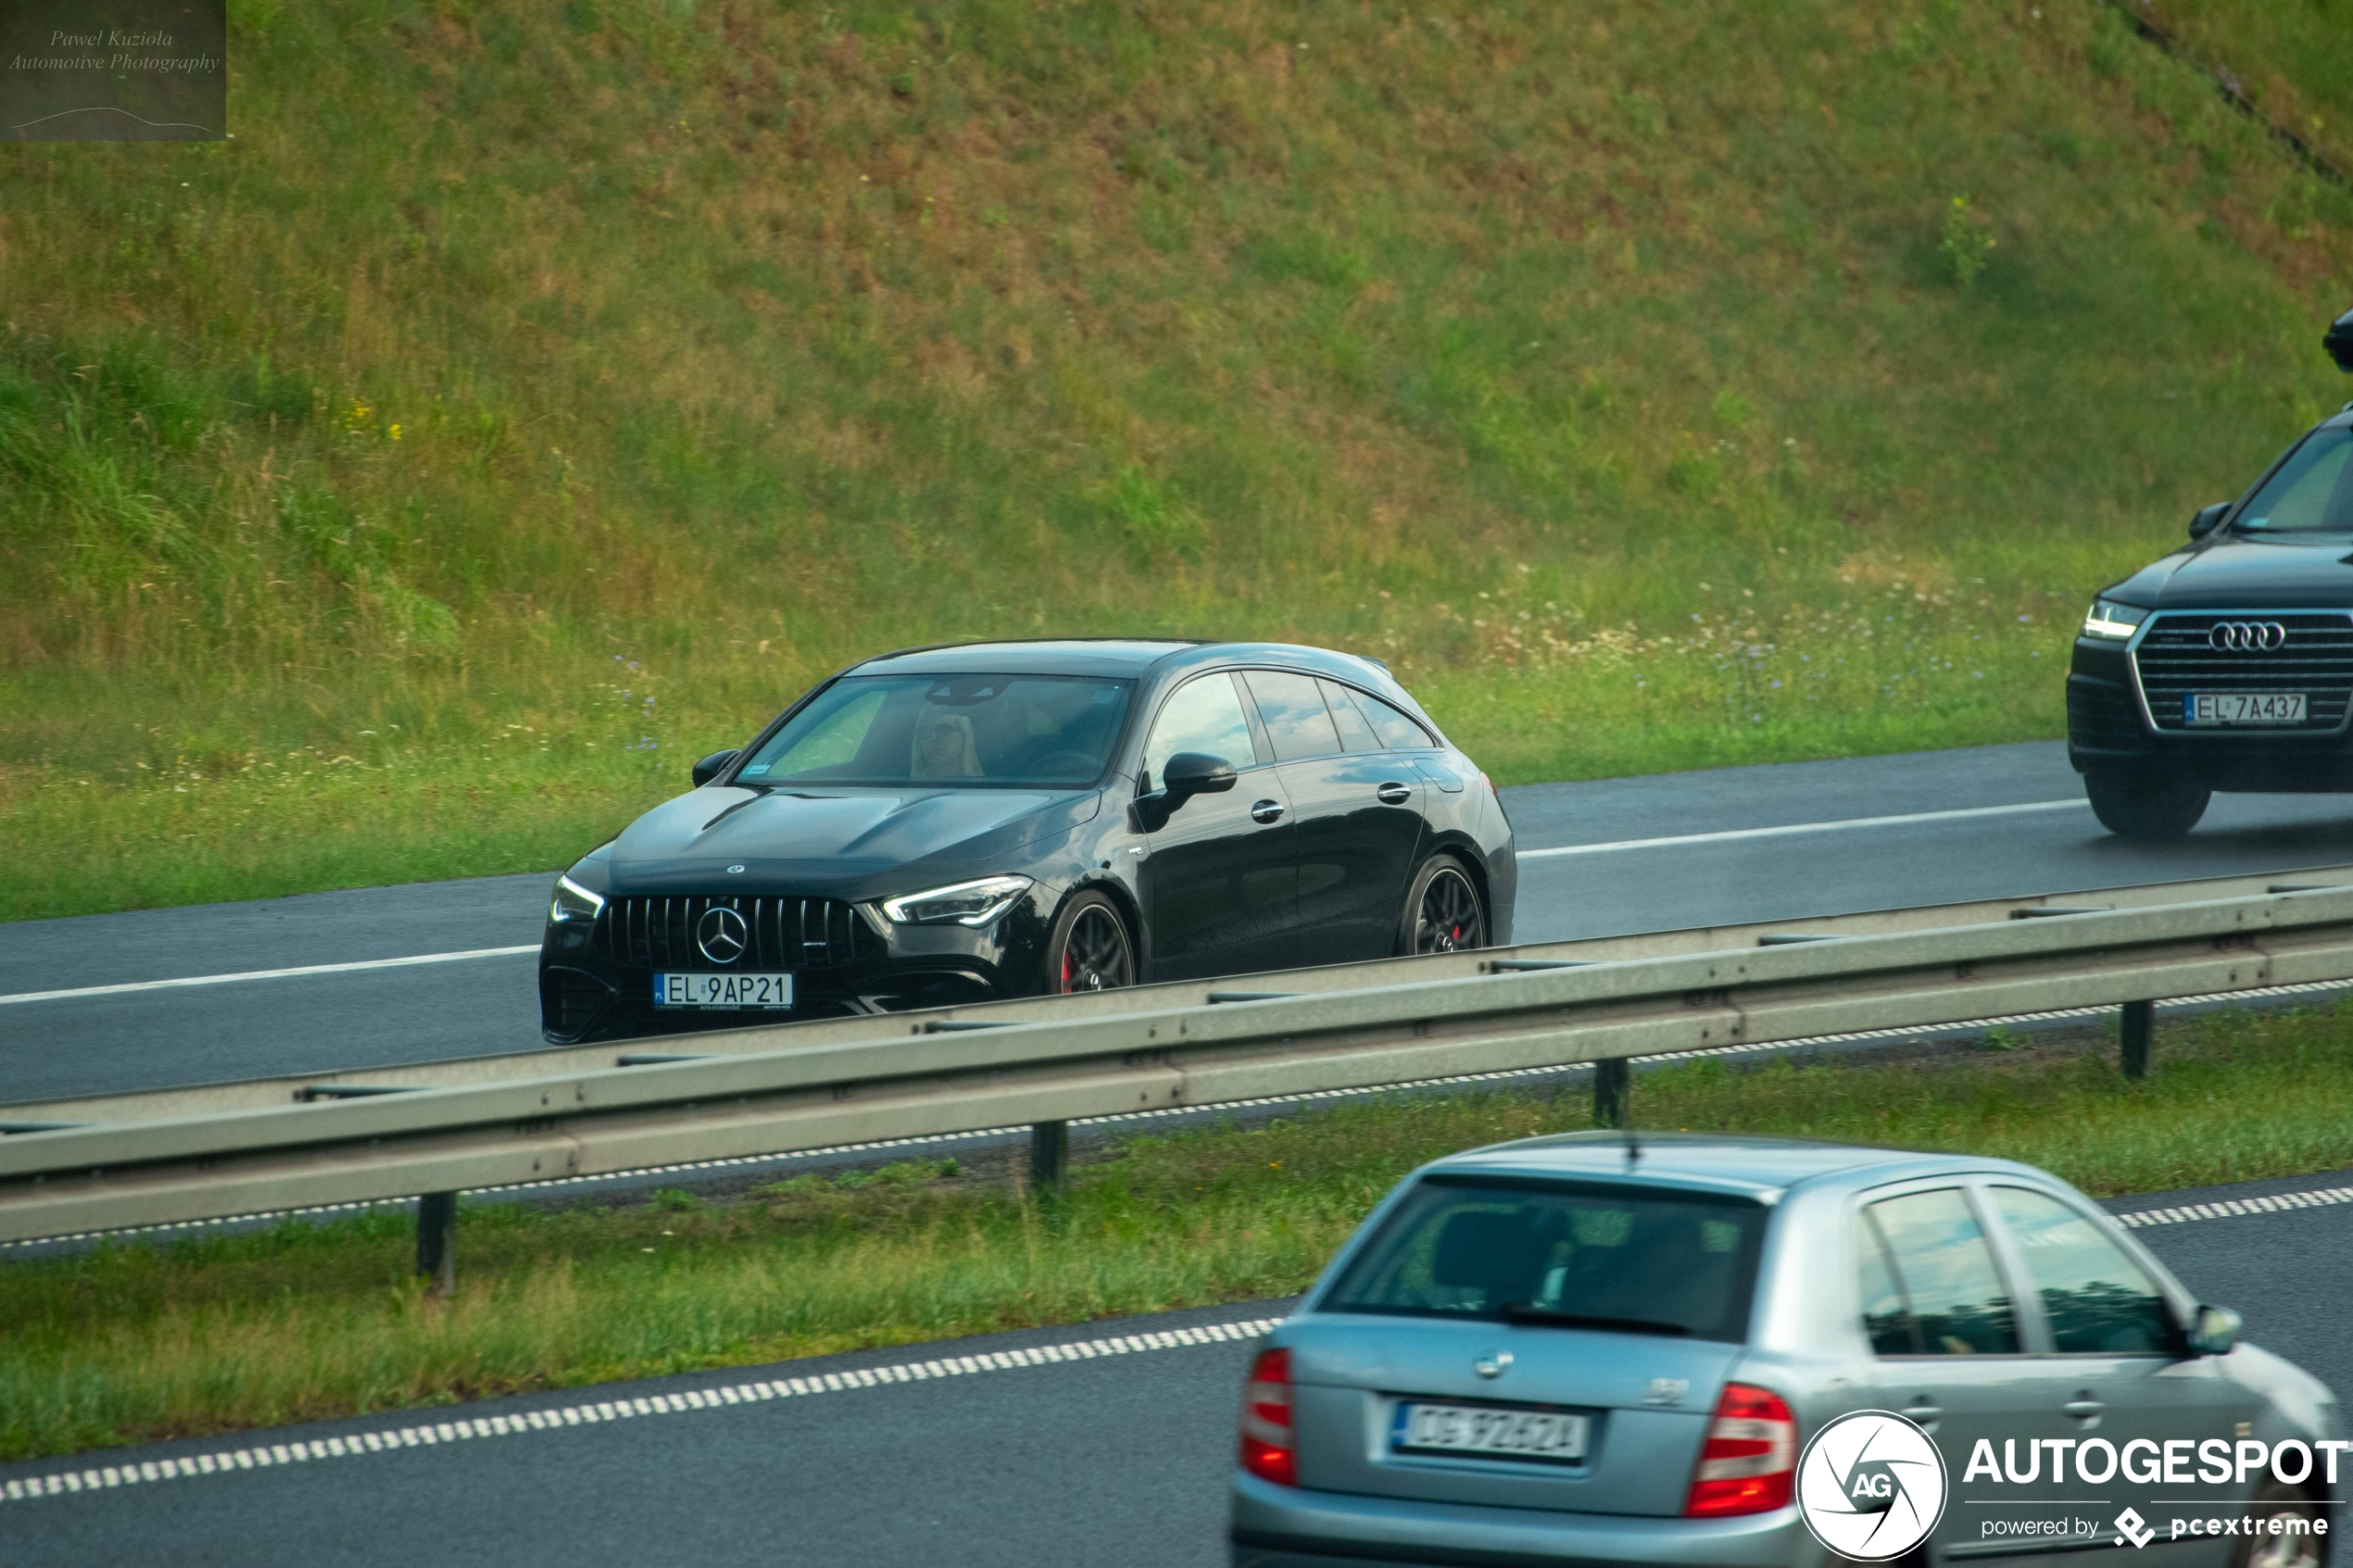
x=712, y=766
x=1195, y=772
x=1181, y=777
x=2339, y=342
x=2213, y=1330
x=2208, y=518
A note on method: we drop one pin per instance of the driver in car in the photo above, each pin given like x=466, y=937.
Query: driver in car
x=944, y=747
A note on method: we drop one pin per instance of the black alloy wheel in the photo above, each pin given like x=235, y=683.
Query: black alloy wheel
x=2145, y=808
x=1089, y=950
x=1442, y=912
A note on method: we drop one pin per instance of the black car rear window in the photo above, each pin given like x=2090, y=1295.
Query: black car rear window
x=948, y=730
x=1640, y=1260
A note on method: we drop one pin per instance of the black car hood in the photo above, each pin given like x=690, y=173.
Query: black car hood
x=836, y=843
x=2246, y=572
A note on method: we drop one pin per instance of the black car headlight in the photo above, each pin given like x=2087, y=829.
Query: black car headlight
x=964, y=903
x=573, y=902
x=2111, y=621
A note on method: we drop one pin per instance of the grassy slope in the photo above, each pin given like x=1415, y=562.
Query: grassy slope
x=535, y=396
x=303, y=1323
x=2293, y=58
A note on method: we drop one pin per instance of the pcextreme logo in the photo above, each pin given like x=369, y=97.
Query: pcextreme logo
x=1870, y=1486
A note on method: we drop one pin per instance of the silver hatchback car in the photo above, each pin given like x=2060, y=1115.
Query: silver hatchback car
x=1569, y=1350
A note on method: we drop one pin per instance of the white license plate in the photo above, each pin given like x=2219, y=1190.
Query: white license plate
x=1484, y=1429
x=2243, y=707
x=722, y=990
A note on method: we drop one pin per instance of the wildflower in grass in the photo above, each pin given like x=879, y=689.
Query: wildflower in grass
x=1965, y=243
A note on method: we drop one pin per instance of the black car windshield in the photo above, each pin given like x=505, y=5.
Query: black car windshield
x=1627, y=1259
x=956, y=731
x=2312, y=492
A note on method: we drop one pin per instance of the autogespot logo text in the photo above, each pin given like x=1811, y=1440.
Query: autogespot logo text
x=1870, y=1486
x=2239, y=1465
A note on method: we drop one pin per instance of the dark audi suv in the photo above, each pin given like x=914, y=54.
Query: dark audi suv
x=2229, y=664
x=952, y=824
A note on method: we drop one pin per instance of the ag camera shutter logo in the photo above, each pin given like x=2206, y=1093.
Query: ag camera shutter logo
x=1870, y=1486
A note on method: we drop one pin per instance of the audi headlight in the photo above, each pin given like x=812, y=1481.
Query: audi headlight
x=2112, y=621
x=573, y=902
x=966, y=903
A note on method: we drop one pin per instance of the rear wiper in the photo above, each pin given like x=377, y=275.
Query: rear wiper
x=1522, y=1311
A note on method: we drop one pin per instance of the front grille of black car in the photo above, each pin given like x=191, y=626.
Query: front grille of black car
x=658, y=932
x=2176, y=657
x=2100, y=716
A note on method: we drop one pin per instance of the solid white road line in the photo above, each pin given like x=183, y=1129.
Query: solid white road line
x=1726, y=837
x=593, y=1413
x=1525, y=855
x=266, y=974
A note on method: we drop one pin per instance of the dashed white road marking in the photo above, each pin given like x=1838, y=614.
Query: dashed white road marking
x=1849, y=823
x=593, y=1413
x=2237, y=1208
x=265, y=974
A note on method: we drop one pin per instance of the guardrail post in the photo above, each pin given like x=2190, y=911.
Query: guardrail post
x=438, y=1241
x=2139, y=1019
x=1612, y=1081
x=1048, y=1153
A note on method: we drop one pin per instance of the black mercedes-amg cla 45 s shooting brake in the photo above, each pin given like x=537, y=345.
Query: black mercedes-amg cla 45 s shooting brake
x=2229, y=664
x=953, y=824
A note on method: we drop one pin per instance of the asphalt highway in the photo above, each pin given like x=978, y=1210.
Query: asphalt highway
x=1107, y=1443
x=1599, y=858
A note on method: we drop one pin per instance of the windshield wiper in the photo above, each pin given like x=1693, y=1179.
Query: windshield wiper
x=1522, y=1311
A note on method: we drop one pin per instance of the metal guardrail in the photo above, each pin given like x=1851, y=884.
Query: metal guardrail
x=782, y=1090
x=255, y=1093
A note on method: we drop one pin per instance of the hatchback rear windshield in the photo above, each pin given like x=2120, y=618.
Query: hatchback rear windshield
x=956, y=731
x=1626, y=1259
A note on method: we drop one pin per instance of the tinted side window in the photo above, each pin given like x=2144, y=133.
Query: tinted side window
x=1204, y=715
x=1293, y=712
x=1946, y=1270
x=1397, y=732
x=1355, y=734
x=1887, y=1316
x=2096, y=1299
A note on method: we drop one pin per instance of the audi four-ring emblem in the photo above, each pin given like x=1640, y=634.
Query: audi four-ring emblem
x=2247, y=637
x=721, y=934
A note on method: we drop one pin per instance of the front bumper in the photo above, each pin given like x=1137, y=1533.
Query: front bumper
x=1292, y=1527
x=595, y=983
x=2108, y=729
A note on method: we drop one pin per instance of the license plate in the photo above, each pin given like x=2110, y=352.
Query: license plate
x=722, y=990
x=2243, y=707
x=1558, y=1435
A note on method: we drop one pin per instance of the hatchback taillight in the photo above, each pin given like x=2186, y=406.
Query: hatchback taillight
x=1269, y=1452
x=1749, y=1463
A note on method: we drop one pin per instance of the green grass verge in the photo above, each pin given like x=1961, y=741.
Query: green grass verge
x=533, y=397
x=2293, y=59
x=135, y=1343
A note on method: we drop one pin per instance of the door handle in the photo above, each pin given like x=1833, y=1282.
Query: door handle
x=1266, y=811
x=1925, y=1413
x=2083, y=1408
x=1394, y=794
